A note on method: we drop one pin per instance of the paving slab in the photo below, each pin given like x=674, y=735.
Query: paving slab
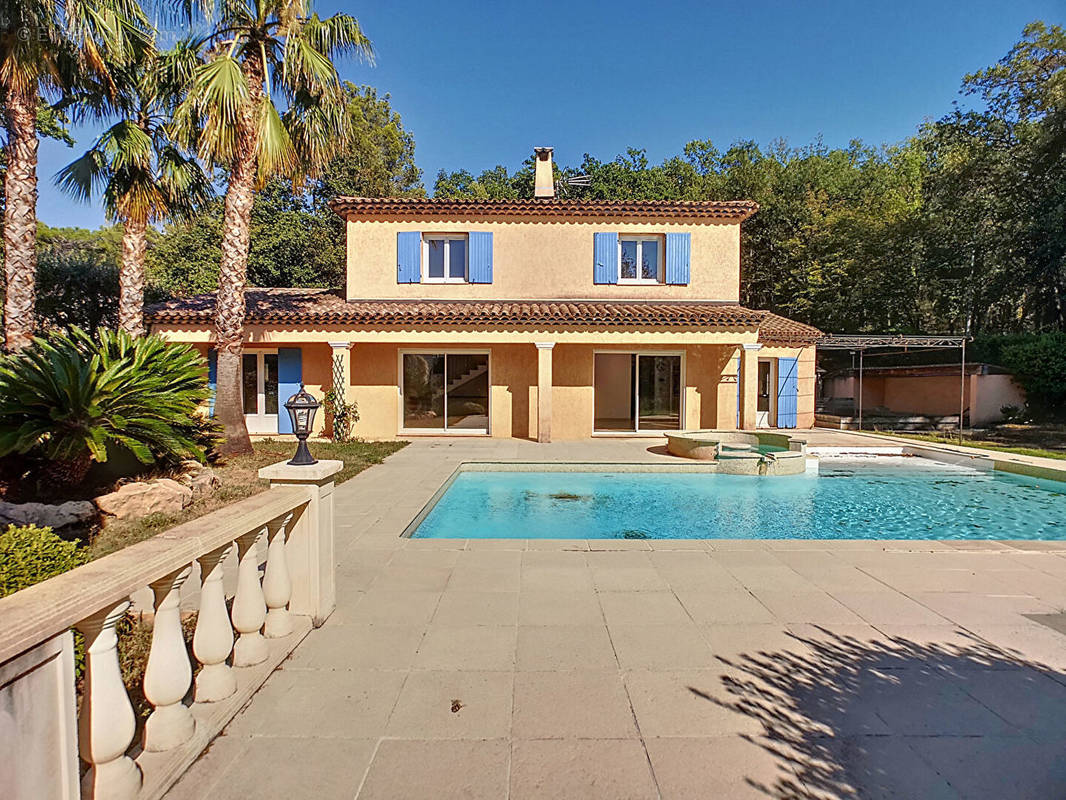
x=590, y=769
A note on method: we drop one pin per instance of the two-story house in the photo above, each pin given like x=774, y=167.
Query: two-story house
x=543, y=318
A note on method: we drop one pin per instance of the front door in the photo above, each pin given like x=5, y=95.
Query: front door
x=259, y=384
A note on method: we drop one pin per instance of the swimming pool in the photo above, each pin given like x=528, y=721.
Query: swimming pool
x=880, y=497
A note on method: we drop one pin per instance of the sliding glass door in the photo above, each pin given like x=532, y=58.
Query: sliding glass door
x=637, y=392
x=659, y=393
x=445, y=392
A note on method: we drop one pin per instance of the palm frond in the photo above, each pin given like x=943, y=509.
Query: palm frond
x=84, y=176
x=276, y=154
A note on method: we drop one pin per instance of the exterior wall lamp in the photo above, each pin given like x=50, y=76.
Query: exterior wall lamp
x=302, y=407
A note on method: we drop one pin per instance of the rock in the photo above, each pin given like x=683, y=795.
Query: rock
x=203, y=483
x=72, y=514
x=135, y=500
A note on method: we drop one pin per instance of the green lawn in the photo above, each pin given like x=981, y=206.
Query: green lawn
x=239, y=480
x=985, y=444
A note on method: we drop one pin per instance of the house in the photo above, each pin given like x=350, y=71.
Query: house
x=541, y=318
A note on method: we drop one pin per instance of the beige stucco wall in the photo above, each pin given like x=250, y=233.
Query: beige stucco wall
x=708, y=373
x=933, y=395
x=805, y=379
x=990, y=393
x=545, y=259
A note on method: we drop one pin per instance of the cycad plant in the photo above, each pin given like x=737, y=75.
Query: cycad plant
x=267, y=102
x=47, y=48
x=68, y=398
x=140, y=167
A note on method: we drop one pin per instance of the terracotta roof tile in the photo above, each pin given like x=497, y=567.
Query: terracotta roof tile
x=326, y=307
x=422, y=208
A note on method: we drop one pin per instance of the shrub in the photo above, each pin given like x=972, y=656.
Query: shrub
x=1039, y=366
x=67, y=398
x=343, y=414
x=29, y=555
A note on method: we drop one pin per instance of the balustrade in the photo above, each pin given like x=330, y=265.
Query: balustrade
x=295, y=513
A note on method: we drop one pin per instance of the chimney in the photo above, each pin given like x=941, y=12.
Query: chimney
x=544, y=177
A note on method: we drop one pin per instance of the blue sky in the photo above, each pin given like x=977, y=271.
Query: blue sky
x=481, y=83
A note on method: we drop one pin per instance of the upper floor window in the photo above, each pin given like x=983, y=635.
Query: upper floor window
x=444, y=258
x=640, y=259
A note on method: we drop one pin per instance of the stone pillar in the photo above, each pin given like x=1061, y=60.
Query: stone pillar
x=544, y=391
x=749, y=385
x=38, y=724
x=309, y=549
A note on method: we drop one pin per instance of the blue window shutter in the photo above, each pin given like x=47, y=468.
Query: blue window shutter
x=738, y=392
x=605, y=258
x=290, y=376
x=212, y=380
x=409, y=257
x=480, y=245
x=678, y=255
x=787, y=392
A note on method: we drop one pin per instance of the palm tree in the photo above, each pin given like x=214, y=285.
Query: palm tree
x=141, y=169
x=46, y=47
x=260, y=52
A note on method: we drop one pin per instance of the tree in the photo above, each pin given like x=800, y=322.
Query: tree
x=142, y=171
x=71, y=40
x=295, y=238
x=260, y=50
x=77, y=277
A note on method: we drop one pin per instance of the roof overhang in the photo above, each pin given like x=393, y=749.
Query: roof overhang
x=422, y=208
x=321, y=307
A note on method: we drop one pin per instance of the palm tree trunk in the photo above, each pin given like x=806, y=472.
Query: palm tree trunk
x=233, y=270
x=20, y=219
x=131, y=277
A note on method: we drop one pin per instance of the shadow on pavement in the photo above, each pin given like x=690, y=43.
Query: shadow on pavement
x=895, y=718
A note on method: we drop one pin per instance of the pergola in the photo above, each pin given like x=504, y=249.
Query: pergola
x=862, y=343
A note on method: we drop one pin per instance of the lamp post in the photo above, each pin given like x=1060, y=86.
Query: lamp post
x=302, y=407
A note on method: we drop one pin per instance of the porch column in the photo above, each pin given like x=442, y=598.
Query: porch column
x=340, y=365
x=544, y=391
x=340, y=370
x=749, y=385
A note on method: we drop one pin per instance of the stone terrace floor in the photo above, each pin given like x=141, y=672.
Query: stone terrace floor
x=644, y=669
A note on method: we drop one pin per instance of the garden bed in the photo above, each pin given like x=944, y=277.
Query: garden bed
x=240, y=479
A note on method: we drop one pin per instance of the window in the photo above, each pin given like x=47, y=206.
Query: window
x=259, y=389
x=640, y=259
x=444, y=259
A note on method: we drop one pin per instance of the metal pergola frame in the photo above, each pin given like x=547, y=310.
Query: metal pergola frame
x=862, y=343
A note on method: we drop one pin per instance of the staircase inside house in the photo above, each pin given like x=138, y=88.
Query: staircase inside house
x=467, y=376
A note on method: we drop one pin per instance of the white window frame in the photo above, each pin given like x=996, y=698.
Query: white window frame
x=260, y=422
x=445, y=431
x=436, y=237
x=637, y=430
x=640, y=239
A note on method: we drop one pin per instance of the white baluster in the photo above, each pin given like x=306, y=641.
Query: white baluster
x=167, y=674
x=249, y=606
x=106, y=725
x=213, y=639
x=277, y=587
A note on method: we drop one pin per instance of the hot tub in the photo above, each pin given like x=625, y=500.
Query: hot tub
x=742, y=452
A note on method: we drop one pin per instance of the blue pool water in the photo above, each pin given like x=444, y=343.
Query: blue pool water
x=851, y=498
